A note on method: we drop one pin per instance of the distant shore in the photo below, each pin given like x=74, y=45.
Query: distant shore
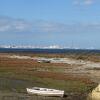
x=41, y=50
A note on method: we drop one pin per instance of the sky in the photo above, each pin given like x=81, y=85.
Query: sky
x=67, y=23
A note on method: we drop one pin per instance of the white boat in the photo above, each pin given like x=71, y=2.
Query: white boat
x=45, y=91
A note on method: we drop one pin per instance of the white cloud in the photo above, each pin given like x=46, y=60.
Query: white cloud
x=52, y=27
x=83, y=2
x=4, y=28
x=14, y=25
x=46, y=26
x=21, y=26
x=88, y=2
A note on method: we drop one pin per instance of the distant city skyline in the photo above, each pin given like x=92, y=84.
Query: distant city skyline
x=64, y=23
x=42, y=47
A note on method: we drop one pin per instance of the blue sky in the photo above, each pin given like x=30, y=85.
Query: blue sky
x=50, y=22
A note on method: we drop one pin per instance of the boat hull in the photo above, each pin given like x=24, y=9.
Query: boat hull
x=46, y=93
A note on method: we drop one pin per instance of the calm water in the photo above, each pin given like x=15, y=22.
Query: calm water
x=7, y=50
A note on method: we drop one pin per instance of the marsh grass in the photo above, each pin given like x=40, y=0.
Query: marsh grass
x=18, y=83
x=17, y=75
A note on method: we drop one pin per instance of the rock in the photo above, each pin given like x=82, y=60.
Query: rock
x=95, y=95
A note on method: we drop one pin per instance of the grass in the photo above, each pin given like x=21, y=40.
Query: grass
x=20, y=85
x=11, y=81
x=16, y=75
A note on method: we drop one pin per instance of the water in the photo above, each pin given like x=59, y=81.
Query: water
x=14, y=50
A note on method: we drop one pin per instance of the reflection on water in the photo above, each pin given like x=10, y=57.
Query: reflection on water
x=95, y=94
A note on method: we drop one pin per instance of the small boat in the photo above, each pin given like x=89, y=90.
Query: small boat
x=43, y=61
x=45, y=92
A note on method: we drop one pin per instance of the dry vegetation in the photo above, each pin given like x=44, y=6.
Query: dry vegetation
x=17, y=74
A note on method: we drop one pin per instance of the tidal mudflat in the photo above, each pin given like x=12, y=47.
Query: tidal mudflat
x=77, y=75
